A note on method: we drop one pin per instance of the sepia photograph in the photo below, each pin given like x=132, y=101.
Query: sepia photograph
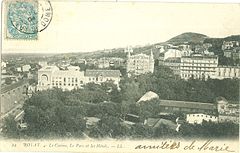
x=111, y=76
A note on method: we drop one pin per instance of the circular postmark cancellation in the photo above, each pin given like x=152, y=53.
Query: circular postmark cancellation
x=45, y=14
x=30, y=17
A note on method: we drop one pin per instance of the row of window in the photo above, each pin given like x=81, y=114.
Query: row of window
x=203, y=116
x=198, y=65
x=185, y=109
x=194, y=76
x=65, y=84
x=65, y=79
x=227, y=74
x=197, y=68
x=199, y=61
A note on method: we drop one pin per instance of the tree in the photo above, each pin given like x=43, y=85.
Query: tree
x=149, y=109
x=10, y=129
x=8, y=81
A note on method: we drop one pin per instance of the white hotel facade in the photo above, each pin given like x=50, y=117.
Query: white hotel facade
x=72, y=78
x=206, y=66
x=140, y=63
x=198, y=66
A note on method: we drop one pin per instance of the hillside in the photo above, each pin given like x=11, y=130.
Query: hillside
x=219, y=41
x=188, y=37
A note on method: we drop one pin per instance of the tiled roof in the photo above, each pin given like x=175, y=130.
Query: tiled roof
x=103, y=73
x=184, y=104
x=156, y=122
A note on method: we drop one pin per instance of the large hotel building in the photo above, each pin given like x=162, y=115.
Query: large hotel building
x=198, y=66
x=140, y=63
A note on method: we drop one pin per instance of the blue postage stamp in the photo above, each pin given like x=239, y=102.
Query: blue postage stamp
x=22, y=19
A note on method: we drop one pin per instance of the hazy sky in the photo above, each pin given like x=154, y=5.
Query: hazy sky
x=81, y=27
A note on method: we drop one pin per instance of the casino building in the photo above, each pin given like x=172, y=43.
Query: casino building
x=73, y=78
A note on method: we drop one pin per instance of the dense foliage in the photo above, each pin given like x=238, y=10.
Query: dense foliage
x=57, y=113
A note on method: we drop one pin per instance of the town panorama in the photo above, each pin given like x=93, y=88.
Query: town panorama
x=186, y=87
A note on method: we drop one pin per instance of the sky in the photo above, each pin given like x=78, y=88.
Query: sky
x=90, y=26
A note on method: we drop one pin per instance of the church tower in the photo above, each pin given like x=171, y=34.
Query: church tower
x=151, y=62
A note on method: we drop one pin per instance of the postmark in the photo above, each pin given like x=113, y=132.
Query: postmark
x=26, y=18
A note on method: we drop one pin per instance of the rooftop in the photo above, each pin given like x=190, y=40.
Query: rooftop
x=186, y=104
x=200, y=56
x=173, y=59
x=148, y=96
x=103, y=73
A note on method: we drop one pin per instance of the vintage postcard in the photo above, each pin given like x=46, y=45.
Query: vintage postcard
x=82, y=76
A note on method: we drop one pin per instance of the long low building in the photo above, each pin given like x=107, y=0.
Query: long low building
x=172, y=106
x=199, y=118
x=73, y=78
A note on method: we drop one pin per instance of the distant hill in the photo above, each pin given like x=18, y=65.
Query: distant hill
x=220, y=40
x=188, y=37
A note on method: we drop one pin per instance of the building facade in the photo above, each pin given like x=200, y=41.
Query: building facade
x=172, y=53
x=223, y=72
x=140, y=64
x=198, y=66
x=227, y=112
x=3, y=64
x=229, y=44
x=51, y=76
x=173, y=63
x=100, y=76
x=72, y=78
x=26, y=68
x=173, y=106
x=199, y=118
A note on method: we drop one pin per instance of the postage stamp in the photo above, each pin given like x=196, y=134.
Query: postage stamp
x=26, y=18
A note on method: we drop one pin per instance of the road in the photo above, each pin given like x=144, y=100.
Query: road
x=12, y=98
x=13, y=86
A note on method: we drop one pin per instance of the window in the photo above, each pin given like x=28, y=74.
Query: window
x=76, y=79
x=64, y=79
x=89, y=79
